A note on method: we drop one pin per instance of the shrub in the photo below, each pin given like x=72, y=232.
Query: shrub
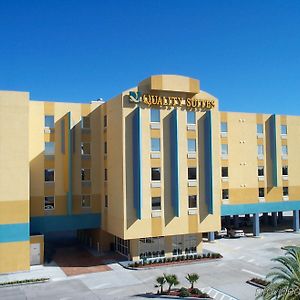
x=183, y=292
x=204, y=255
x=208, y=255
x=199, y=256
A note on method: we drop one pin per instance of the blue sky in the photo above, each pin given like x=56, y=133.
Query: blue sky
x=246, y=53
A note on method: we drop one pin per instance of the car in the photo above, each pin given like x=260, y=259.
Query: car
x=221, y=233
x=236, y=233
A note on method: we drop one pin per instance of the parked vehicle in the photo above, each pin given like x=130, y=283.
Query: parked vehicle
x=221, y=233
x=236, y=233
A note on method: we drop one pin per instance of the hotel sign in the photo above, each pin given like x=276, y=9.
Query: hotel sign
x=155, y=100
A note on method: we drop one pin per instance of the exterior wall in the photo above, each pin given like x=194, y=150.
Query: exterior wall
x=67, y=161
x=242, y=162
x=14, y=178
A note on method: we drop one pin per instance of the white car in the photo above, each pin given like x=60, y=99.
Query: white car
x=236, y=233
x=221, y=233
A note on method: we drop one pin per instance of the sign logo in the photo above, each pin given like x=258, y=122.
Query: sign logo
x=156, y=100
x=135, y=97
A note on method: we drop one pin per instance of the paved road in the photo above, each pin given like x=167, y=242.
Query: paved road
x=243, y=259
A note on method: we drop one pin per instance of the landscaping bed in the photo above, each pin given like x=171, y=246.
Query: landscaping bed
x=183, y=292
x=258, y=282
x=24, y=281
x=173, y=260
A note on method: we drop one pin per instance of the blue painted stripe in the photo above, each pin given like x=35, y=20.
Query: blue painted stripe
x=273, y=149
x=62, y=223
x=242, y=209
x=137, y=161
x=208, y=152
x=70, y=183
x=174, y=155
x=14, y=232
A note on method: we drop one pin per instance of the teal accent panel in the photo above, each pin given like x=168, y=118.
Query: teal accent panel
x=174, y=156
x=70, y=171
x=242, y=209
x=62, y=223
x=273, y=149
x=208, y=153
x=137, y=161
x=14, y=232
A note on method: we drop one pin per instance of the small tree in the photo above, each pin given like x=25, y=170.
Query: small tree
x=192, y=278
x=171, y=280
x=161, y=280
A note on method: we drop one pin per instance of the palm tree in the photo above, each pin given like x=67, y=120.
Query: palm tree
x=285, y=279
x=192, y=278
x=171, y=280
x=161, y=280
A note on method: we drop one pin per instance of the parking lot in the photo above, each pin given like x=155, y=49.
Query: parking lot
x=244, y=258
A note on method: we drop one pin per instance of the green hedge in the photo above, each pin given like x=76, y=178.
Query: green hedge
x=34, y=280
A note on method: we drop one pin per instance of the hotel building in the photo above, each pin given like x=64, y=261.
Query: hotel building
x=145, y=173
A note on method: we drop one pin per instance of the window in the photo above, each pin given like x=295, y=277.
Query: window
x=85, y=201
x=259, y=128
x=285, y=170
x=105, y=147
x=283, y=129
x=49, y=121
x=260, y=171
x=85, y=122
x=285, y=191
x=191, y=118
x=105, y=121
x=154, y=115
x=225, y=194
x=192, y=201
x=224, y=149
x=85, y=174
x=284, y=149
x=224, y=172
x=49, y=148
x=260, y=150
x=192, y=173
x=155, y=174
x=106, y=201
x=156, y=203
x=191, y=145
x=85, y=149
x=261, y=192
x=49, y=202
x=224, y=127
x=49, y=175
x=155, y=144
x=105, y=174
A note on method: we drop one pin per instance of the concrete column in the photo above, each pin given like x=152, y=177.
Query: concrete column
x=236, y=221
x=256, y=230
x=265, y=218
x=211, y=236
x=280, y=216
x=296, y=220
x=274, y=219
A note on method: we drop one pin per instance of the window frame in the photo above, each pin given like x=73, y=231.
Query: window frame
x=157, y=209
x=47, y=209
x=222, y=172
x=47, y=143
x=49, y=116
x=281, y=131
x=190, y=199
x=192, y=168
x=153, y=140
x=261, y=195
x=263, y=171
x=49, y=181
x=156, y=110
x=285, y=168
x=188, y=145
x=90, y=200
x=221, y=127
x=193, y=114
x=151, y=170
x=224, y=192
x=83, y=171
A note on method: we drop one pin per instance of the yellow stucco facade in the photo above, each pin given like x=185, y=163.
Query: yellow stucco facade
x=150, y=170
